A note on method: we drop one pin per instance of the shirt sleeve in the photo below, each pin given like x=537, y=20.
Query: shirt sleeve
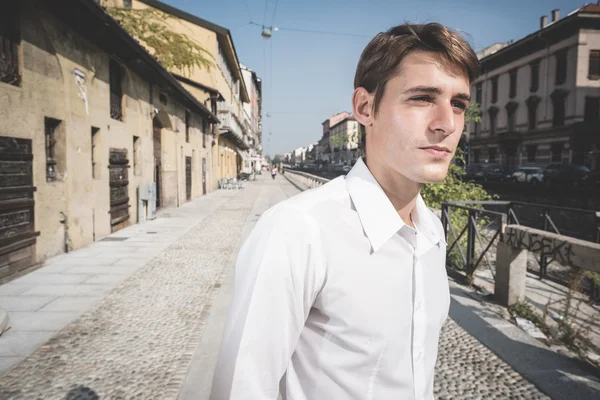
x=277, y=278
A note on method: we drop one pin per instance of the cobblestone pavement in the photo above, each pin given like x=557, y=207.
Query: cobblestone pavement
x=139, y=341
x=466, y=369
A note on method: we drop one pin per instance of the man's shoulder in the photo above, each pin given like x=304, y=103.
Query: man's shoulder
x=309, y=203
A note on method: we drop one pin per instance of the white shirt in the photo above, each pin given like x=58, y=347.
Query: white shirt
x=336, y=298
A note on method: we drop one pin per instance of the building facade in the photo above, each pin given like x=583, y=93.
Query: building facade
x=253, y=118
x=94, y=132
x=324, y=150
x=540, y=96
x=222, y=86
x=344, y=139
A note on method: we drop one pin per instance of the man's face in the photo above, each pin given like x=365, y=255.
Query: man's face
x=420, y=118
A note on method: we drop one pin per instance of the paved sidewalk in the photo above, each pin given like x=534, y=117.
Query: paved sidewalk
x=43, y=302
x=144, y=320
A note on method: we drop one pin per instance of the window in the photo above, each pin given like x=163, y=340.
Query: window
x=592, y=109
x=494, y=89
x=476, y=128
x=511, y=114
x=532, y=107
x=478, y=92
x=513, y=83
x=476, y=156
x=531, y=150
x=535, y=77
x=187, y=126
x=9, y=44
x=492, y=155
x=561, y=67
x=95, y=155
x=137, y=146
x=116, y=90
x=204, y=132
x=50, y=125
x=493, y=120
x=558, y=119
x=163, y=98
x=594, y=65
x=556, y=151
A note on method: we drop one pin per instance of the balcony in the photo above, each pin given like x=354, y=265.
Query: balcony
x=9, y=62
x=231, y=126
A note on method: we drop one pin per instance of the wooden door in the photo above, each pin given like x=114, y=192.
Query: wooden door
x=203, y=175
x=157, y=128
x=119, y=189
x=188, y=178
x=17, y=231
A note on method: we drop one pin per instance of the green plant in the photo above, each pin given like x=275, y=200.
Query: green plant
x=175, y=51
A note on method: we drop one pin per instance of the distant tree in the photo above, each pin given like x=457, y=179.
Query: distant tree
x=276, y=160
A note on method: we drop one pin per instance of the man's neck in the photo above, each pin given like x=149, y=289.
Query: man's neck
x=401, y=191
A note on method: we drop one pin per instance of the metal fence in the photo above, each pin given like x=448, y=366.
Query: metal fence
x=468, y=224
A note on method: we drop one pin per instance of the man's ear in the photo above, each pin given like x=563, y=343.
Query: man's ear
x=362, y=106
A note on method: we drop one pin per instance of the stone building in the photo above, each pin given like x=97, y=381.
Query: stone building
x=252, y=114
x=540, y=95
x=222, y=85
x=94, y=132
x=324, y=150
x=344, y=139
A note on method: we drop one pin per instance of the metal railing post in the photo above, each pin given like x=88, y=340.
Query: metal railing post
x=445, y=219
x=543, y=258
x=470, y=241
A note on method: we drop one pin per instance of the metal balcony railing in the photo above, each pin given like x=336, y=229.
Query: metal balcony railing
x=229, y=121
x=116, y=107
x=9, y=62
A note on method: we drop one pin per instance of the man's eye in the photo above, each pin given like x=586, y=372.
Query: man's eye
x=460, y=105
x=423, y=99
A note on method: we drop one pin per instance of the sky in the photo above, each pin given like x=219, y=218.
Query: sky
x=308, y=77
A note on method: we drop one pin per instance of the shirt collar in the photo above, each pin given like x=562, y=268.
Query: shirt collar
x=379, y=219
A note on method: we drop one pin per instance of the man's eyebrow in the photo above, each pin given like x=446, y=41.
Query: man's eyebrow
x=435, y=90
x=424, y=89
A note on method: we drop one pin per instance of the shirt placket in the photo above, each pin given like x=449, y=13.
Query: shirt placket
x=419, y=328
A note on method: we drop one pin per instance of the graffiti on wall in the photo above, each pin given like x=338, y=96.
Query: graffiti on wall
x=559, y=249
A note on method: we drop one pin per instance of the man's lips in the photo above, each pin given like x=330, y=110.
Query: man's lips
x=437, y=151
x=436, y=148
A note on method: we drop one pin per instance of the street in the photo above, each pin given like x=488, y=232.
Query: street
x=141, y=317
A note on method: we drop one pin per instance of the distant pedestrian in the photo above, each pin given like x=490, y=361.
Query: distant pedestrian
x=273, y=172
x=341, y=292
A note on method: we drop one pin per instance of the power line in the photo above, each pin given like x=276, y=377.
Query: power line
x=248, y=10
x=265, y=16
x=274, y=11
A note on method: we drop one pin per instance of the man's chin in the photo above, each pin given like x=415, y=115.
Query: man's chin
x=434, y=177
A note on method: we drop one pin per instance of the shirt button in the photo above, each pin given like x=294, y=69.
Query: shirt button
x=417, y=305
x=419, y=355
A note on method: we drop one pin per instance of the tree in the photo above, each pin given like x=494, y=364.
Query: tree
x=276, y=160
x=175, y=51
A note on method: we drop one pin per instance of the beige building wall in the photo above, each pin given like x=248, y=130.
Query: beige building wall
x=49, y=88
x=214, y=77
x=53, y=61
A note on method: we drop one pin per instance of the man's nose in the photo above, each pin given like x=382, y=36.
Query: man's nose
x=443, y=119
